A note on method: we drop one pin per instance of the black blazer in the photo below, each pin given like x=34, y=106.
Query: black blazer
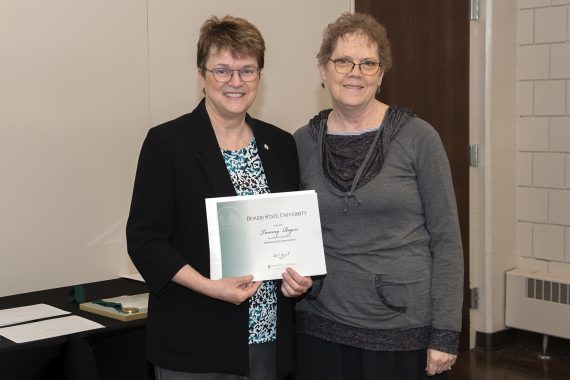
x=179, y=166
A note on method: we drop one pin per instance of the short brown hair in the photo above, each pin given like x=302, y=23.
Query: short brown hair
x=359, y=23
x=235, y=34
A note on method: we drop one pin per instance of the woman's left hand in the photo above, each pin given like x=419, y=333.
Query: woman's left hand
x=439, y=362
x=293, y=284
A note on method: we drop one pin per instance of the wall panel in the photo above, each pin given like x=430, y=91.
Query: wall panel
x=81, y=82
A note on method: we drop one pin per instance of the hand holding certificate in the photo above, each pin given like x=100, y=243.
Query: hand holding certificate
x=264, y=234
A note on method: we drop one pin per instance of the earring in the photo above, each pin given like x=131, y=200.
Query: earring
x=204, y=91
x=323, y=84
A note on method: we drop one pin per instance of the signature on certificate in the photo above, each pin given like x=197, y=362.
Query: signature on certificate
x=281, y=255
x=278, y=232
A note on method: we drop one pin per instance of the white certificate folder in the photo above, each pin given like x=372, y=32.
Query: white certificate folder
x=264, y=234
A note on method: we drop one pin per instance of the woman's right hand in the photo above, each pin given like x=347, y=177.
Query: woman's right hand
x=231, y=289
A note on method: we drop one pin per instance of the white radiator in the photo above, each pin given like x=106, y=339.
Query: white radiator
x=538, y=302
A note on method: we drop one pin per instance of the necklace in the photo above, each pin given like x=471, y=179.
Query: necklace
x=229, y=139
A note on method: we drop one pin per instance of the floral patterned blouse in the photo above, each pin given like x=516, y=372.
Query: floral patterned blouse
x=246, y=171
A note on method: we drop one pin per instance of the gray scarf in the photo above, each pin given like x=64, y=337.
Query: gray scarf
x=349, y=162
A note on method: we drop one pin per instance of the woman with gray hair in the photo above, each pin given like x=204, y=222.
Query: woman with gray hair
x=390, y=304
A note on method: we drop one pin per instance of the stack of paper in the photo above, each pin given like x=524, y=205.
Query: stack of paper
x=48, y=328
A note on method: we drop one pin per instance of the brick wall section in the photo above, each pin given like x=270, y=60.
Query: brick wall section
x=543, y=129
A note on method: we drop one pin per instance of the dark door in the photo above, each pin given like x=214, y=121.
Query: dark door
x=430, y=75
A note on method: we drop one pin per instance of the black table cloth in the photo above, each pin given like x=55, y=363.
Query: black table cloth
x=114, y=352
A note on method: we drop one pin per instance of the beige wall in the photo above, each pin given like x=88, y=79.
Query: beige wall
x=290, y=87
x=74, y=105
x=82, y=82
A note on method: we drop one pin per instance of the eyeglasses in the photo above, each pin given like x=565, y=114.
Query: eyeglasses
x=225, y=74
x=345, y=66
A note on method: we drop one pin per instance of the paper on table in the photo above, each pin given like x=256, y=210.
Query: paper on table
x=28, y=313
x=48, y=329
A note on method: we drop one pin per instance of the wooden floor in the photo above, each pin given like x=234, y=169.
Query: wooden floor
x=516, y=362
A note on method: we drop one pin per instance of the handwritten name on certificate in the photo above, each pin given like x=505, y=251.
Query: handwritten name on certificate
x=264, y=234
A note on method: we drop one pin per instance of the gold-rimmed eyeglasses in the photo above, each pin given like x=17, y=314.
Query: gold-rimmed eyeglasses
x=225, y=74
x=345, y=66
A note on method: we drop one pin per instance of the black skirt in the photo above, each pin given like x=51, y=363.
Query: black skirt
x=318, y=359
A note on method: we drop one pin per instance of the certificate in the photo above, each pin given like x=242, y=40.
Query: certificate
x=264, y=234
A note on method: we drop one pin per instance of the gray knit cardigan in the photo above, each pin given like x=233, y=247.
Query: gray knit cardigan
x=392, y=246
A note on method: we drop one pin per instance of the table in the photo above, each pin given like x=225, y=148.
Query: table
x=114, y=352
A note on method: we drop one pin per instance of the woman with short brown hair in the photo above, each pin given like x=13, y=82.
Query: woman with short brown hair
x=197, y=328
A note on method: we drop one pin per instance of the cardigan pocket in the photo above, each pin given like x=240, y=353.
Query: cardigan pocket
x=392, y=295
x=351, y=298
x=408, y=295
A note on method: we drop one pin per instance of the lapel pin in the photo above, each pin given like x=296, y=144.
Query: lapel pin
x=266, y=146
